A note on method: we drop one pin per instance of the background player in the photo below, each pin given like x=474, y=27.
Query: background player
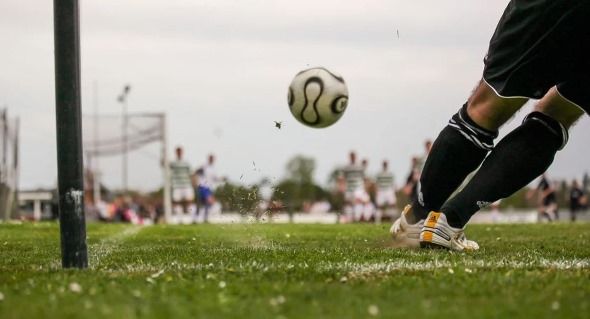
x=385, y=198
x=353, y=183
x=547, y=200
x=183, y=194
x=577, y=200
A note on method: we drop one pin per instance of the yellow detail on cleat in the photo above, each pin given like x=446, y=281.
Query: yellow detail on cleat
x=432, y=219
x=427, y=236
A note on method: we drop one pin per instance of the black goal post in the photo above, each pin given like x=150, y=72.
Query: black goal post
x=74, y=252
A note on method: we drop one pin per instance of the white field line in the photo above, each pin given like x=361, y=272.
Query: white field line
x=103, y=248
x=365, y=268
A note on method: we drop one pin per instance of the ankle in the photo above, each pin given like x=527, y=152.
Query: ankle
x=453, y=219
x=417, y=213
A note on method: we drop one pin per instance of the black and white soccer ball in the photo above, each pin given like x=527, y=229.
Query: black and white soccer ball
x=318, y=97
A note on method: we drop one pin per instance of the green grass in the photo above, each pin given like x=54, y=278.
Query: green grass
x=294, y=271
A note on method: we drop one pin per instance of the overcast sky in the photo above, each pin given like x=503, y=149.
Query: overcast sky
x=220, y=70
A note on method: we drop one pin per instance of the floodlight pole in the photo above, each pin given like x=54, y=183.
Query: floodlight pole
x=167, y=205
x=95, y=172
x=123, y=99
x=72, y=221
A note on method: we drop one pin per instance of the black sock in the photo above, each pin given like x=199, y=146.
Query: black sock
x=457, y=151
x=517, y=160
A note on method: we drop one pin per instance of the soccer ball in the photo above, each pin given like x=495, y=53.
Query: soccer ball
x=318, y=97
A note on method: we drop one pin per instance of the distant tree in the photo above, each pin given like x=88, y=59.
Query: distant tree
x=300, y=169
x=562, y=193
x=333, y=176
x=336, y=197
x=237, y=198
x=299, y=186
x=518, y=200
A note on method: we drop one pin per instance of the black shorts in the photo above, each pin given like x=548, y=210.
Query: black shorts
x=539, y=44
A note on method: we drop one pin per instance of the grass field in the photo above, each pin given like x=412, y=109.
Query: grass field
x=294, y=271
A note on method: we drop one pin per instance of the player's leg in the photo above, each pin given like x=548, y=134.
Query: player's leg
x=187, y=200
x=379, y=206
x=379, y=211
x=386, y=202
x=204, y=193
x=463, y=144
x=184, y=199
x=405, y=234
x=545, y=211
x=207, y=200
x=357, y=206
x=535, y=45
x=185, y=205
x=519, y=158
x=461, y=147
x=574, y=213
x=200, y=204
x=370, y=212
x=457, y=151
x=209, y=206
x=528, y=38
x=368, y=207
x=177, y=197
x=190, y=207
x=554, y=211
x=347, y=209
x=381, y=203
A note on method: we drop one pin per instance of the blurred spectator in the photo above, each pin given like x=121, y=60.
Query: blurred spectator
x=547, y=201
x=411, y=187
x=320, y=207
x=577, y=200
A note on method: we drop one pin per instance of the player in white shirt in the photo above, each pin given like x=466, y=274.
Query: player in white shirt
x=385, y=198
x=183, y=194
x=355, y=195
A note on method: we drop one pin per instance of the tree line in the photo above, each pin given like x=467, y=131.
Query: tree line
x=298, y=188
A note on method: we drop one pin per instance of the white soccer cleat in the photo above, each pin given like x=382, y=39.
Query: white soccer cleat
x=406, y=235
x=437, y=233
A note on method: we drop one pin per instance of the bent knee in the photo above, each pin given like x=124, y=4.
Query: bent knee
x=489, y=110
x=554, y=105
